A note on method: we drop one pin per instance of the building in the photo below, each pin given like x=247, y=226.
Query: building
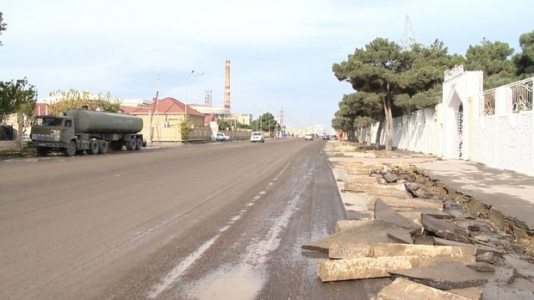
x=162, y=120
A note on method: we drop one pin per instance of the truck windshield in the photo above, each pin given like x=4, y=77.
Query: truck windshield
x=48, y=121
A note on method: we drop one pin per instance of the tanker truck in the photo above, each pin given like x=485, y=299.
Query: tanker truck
x=79, y=130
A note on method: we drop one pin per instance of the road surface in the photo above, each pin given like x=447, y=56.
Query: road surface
x=208, y=221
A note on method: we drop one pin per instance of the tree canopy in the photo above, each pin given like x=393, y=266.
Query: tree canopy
x=524, y=61
x=401, y=80
x=494, y=59
x=17, y=97
x=74, y=99
x=266, y=123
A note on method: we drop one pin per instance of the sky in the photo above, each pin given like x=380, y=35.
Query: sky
x=281, y=51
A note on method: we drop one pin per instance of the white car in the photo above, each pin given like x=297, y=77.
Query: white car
x=257, y=136
x=221, y=137
x=308, y=137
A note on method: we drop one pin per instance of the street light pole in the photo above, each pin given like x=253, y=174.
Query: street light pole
x=186, y=82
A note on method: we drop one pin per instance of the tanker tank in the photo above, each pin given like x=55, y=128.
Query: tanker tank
x=88, y=121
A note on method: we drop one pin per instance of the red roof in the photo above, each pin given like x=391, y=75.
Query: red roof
x=164, y=106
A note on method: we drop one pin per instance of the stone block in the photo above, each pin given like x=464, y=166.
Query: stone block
x=344, y=225
x=408, y=203
x=402, y=289
x=360, y=268
x=340, y=250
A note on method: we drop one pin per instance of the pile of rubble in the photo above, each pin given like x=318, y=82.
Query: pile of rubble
x=416, y=234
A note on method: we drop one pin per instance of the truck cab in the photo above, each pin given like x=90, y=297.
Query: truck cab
x=54, y=132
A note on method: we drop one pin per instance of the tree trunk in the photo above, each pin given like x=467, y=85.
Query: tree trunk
x=369, y=136
x=20, y=122
x=387, y=102
x=389, y=127
x=379, y=130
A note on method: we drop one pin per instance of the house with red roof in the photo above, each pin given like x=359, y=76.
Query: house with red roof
x=162, y=121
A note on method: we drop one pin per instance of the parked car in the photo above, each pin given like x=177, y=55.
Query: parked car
x=221, y=137
x=308, y=137
x=257, y=136
x=333, y=137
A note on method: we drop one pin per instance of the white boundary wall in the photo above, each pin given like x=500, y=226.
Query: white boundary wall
x=503, y=141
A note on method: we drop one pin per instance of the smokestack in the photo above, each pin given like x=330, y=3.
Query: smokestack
x=227, y=84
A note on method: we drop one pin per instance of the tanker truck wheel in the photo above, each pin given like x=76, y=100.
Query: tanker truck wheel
x=71, y=149
x=93, y=147
x=131, y=144
x=139, y=144
x=104, y=147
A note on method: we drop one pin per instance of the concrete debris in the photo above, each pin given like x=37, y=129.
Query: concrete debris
x=340, y=250
x=445, y=276
x=417, y=231
x=385, y=213
x=480, y=248
x=488, y=257
x=482, y=267
x=360, y=187
x=418, y=191
x=361, y=268
x=373, y=231
x=444, y=229
x=402, y=289
x=400, y=235
x=473, y=293
x=364, y=179
x=409, y=203
x=344, y=225
x=390, y=177
x=389, y=192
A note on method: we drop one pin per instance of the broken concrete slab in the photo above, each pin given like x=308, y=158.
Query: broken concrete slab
x=418, y=191
x=390, y=177
x=400, y=235
x=360, y=170
x=361, y=268
x=402, y=289
x=480, y=248
x=355, y=201
x=343, y=225
x=482, y=267
x=364, y=187
x=373, y=267
x=343, y=250
x=488, y=257
x=445, y=276
x=385, y=213
x=408, y=203
x=373, y=232
x=444, y=229
x=363, y=179
x=474, y=293
x=415, y=213
x=389, y=192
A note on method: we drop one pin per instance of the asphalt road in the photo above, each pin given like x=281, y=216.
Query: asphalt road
x=207, y=221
